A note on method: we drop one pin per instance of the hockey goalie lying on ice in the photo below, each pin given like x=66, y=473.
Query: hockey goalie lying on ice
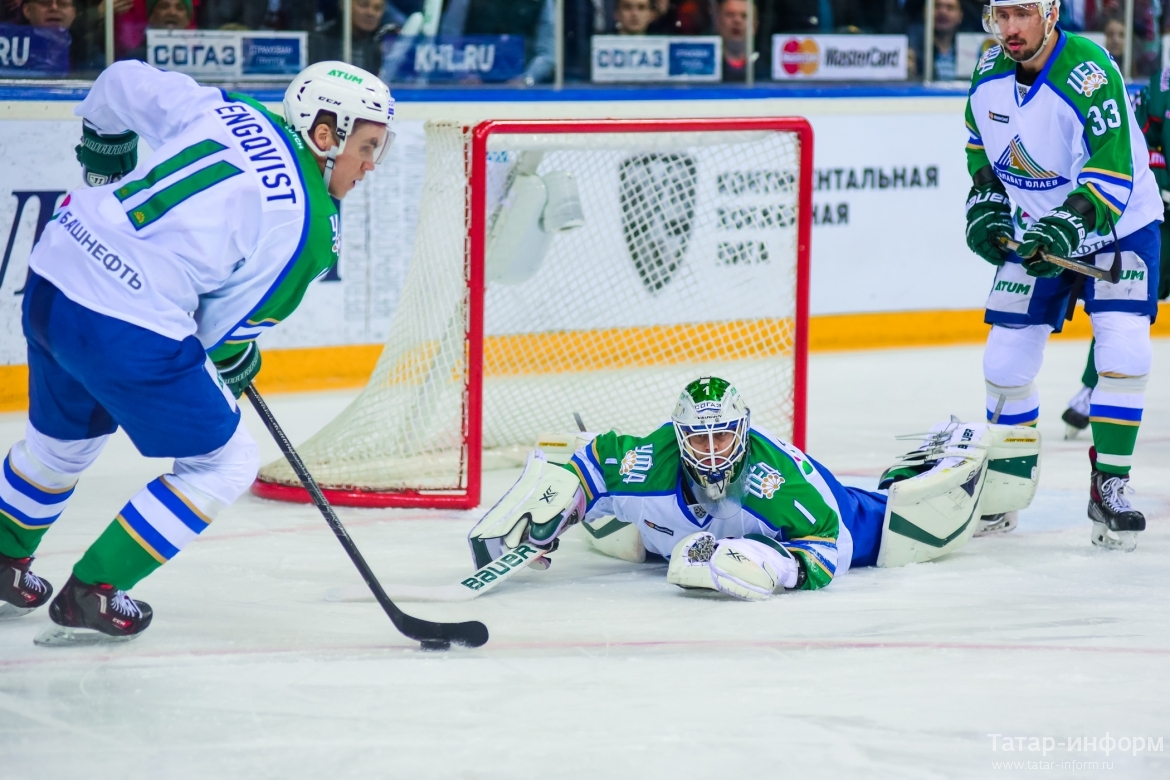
x=737, y=510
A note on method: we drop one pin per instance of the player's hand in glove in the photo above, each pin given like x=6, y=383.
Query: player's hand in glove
x=989, y=218
x=240, y=369
x=1059, y=232
x=106, y=158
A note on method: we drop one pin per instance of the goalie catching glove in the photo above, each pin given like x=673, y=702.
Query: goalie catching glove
x=750, y=568
x=544, y=502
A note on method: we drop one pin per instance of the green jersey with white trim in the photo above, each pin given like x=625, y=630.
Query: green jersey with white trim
x=218, y=234
x=640, y=480
x=1071, y=131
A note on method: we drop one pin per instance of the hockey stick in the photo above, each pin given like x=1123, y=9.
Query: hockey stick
x=480, y=582
x=1111, y=275
x=432, y=636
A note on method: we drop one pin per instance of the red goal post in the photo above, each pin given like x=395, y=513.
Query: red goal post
x=461, y=487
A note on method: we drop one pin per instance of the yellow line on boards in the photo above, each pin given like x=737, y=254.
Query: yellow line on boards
x=341, y=367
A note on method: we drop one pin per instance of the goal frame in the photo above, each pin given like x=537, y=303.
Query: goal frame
x=475, y=252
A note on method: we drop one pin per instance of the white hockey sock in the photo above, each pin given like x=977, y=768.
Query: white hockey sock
x=1020, y=405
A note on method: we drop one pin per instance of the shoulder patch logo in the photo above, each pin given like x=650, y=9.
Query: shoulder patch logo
x=1017, y=168
x=764, y=481
x=1087, y=78
x=636, y=463
x=987, y=61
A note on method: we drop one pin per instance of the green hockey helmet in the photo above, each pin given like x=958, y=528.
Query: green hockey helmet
x=711, y=422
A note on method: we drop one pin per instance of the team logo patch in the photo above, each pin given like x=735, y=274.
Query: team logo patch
x=1087, y=78
x=636, y=463
x=764, y=481
x=987, y=61
x=658, y=194
x=1017, y=168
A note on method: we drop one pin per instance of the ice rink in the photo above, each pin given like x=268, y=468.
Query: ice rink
x=597, y=668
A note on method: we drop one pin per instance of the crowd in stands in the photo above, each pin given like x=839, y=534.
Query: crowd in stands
x=376, y=21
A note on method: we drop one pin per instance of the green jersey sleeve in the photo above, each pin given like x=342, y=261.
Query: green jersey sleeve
x=1089, y=81
x=787, y=493
x=613, y=464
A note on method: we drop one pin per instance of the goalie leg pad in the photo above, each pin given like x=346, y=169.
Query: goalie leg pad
x=936, y=512
x=1013, y=469
x=612, y=537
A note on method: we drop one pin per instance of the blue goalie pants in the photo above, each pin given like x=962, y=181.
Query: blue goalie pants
x=863, y=512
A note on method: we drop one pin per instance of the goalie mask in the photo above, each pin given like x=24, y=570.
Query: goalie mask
x=711, y=423
x=1048, y=11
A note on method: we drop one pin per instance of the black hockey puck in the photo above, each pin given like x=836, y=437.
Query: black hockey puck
x=435, y=645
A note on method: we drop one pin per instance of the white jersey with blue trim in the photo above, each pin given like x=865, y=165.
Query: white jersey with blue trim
x=1073, y=128
x=201, y=232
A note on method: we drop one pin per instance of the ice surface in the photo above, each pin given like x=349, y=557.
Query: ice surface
x=598, y=668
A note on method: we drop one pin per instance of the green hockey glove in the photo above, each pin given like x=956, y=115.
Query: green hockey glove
x=989, y=216
x=238, y=371
x=1059, y=232
x=106, y=158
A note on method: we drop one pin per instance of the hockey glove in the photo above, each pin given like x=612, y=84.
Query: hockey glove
x=238, y=371
x=751, y=568
x=106, y=158
x=1059, y=232
x=989, y=217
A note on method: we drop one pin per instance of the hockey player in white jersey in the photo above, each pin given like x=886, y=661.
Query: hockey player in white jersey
x=1058, y=163
x=145, y=296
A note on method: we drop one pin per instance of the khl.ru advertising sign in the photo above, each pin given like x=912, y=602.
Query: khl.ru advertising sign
x=839, y=57
x=656, y=58
x=468, y=58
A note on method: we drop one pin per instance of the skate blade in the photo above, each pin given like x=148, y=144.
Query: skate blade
x=1126, y=541
x=1001, y=525
x=11, y=611
x=63, y=636
x=1071, y=432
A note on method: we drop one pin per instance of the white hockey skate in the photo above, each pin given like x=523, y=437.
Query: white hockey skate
x=1076, y=416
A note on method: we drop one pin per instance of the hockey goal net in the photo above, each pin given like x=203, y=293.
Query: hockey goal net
x=565, y=267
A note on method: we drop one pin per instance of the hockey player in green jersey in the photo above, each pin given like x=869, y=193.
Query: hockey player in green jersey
x=740, y=511
x=1152, y=108
x=1057, y=162
x=145, y=295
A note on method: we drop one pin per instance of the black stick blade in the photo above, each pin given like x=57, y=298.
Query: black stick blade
x=469, y=634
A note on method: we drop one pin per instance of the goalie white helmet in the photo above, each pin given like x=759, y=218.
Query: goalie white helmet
x=350, y=94
x=1047, y=10
x=711, y=422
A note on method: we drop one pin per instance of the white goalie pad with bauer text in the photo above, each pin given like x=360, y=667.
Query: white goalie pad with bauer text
x=976, y=469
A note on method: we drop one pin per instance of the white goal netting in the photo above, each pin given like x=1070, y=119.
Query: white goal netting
x=680, y=260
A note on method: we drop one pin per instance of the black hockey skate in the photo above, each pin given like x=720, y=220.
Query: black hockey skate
x=1116, y=523
x=21, y=591
x=1001, y=523
x=1076, y=416
x=93, y=614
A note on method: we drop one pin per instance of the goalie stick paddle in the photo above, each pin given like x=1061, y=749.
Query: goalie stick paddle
x=432, y=636
x=1111, y=274
x=471, y=587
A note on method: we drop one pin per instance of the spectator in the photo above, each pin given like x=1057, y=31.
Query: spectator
x=948, y=18
x=530, y=19
x=583, y=20
x=294, y=15
x=633, y=17
x=1114, y=30
x=169, y=14
x=58, y=14
x=731, y=24
x=681, y=17
x=368, y=32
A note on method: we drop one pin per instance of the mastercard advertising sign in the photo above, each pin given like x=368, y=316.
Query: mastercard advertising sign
x=839, y=57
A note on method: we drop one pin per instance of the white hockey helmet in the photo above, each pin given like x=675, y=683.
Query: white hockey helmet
x=347, y=92
x=1043, y=7
x=707, y=410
